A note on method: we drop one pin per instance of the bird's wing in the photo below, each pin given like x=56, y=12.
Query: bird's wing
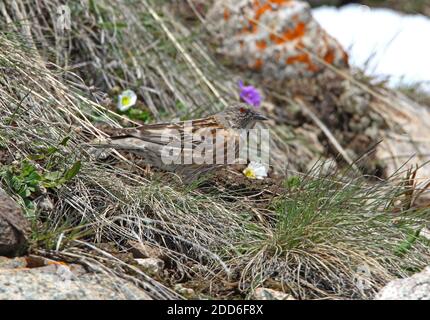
x=168, y=133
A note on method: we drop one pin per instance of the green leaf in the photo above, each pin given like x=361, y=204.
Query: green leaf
x=52, y=176
x=64, y=141
x=36, y=156
x=33, y=177
x=51, y=150
x=407, y=244
x=73, y=171
x=137, y=114
x=293, y=182
x=26, y=169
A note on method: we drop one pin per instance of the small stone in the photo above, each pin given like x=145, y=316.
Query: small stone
x=151, y=265
x=99, y=153
x=45, y=204
x=372, y=132
x=145, y=250
x=364, y=122
x=186, y=292
x=270, y=294
x=376, y=118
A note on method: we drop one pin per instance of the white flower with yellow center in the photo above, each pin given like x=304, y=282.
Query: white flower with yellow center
x=126, y=100
x=255, y=170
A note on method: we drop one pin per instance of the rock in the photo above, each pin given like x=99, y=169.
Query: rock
x=45, y=204
x=6, y=263
x=151, y=265
x=183, y=291
x=99, y=153
x=145, y=250
x=270, y=294
x=416, y=287
x=407, y=136
x=14, y=227
x=58, y=281
x=279, y=39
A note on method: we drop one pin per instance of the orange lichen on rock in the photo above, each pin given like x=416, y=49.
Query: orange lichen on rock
x=251, y=27
x=261, y=44
x=289, y=34
x=261, y=10
x=258, y=64
x=279, y=2
x=278, y=38
x=329, y=57
x=302, y=58
x=226, y=14
x=298, y=32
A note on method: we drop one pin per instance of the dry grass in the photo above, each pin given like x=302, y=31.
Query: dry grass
x=310, y=239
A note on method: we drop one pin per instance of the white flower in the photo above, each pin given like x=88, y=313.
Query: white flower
x=255, y=170
x=126, y=100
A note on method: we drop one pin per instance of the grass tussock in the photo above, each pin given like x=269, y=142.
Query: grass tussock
x=318, y=236
x=325, y=230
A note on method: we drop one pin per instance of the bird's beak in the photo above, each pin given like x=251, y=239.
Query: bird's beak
x=259, y=116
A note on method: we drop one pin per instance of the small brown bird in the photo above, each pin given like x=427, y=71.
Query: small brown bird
x=189, y=148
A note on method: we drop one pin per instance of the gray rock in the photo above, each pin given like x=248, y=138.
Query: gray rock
x=151, y=265
x=63, y=282
x=270, y=294
x=45, y=204
x=6, y=263
x=145, y=250
x=416, y=287
x=14, y=227
x=184, y=291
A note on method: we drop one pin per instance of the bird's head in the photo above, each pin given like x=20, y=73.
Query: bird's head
x=240, y=116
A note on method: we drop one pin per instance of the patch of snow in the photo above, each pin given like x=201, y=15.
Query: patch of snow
x=383, y=42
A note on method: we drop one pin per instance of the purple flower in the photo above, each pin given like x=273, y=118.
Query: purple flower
x=250, y=95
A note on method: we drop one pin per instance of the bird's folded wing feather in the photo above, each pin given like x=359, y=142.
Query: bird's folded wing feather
x=167, y=133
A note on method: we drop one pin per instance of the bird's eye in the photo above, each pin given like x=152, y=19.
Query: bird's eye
x=242, y=110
